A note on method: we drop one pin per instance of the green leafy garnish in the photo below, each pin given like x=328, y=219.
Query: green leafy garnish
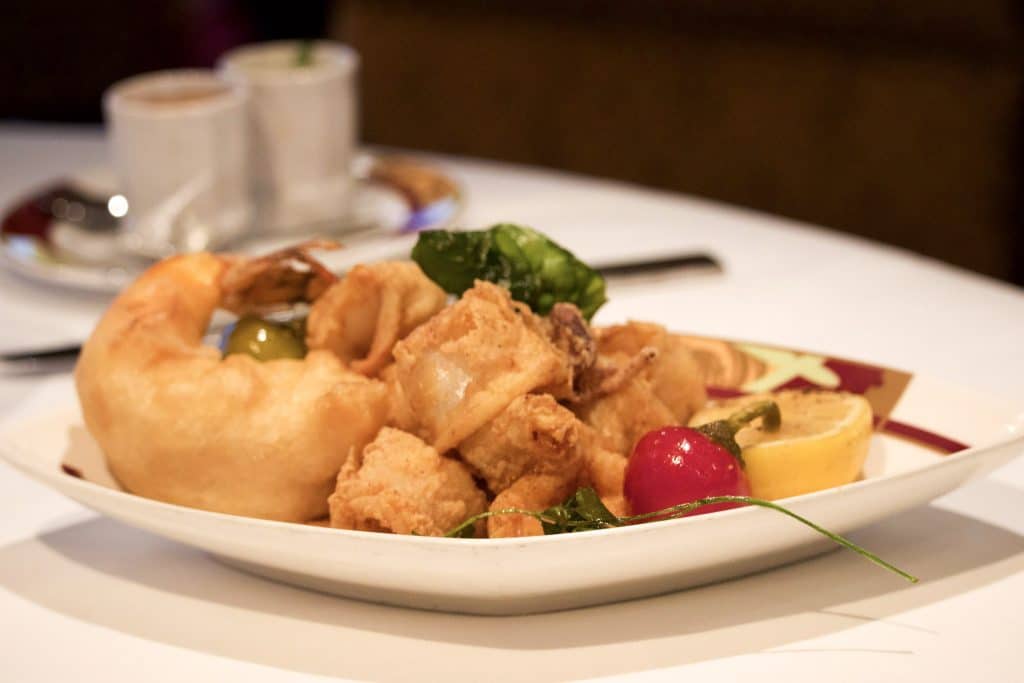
x=535, y=270
x=584, y=511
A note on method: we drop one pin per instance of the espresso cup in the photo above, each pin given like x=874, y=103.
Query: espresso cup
x=303, y=131
x=179, y=142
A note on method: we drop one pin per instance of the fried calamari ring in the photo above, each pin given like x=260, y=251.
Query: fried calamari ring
x=361, y=317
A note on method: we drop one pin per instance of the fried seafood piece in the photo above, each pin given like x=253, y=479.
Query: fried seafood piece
x=622, y=417
x=360, y=318
x=400, y=484
x=461, y=368
x=276, y=280
x=533, y=435
x=535, y=455
x=180, y=424
x=531, y=492
x=675, y=376
x=570, y=335
x=604, y=470
x=400, y=415
x=531, y=457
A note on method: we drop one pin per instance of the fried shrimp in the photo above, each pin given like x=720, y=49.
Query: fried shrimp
x=271, y=282
x=361, y=317
x=400, y=484
x=179, y=423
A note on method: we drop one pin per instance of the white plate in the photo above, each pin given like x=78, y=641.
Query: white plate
x=516, y=576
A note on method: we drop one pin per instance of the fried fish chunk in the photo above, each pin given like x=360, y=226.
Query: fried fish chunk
x=465, y=365
x=361, y=317
x=400, y=484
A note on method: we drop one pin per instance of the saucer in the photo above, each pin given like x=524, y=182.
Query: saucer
x=46, y=238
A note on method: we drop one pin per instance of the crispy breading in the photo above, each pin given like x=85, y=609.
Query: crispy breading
x=181, y=424
x=604, y=470
x=402, y=485
x=461, y=368
x=674, y=373
x=532, y=492
x=622, y=417
x=399, y=414
x=533, y=435
x=361, y=317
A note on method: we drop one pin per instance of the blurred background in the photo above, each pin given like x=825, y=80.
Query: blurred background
x=899, y=121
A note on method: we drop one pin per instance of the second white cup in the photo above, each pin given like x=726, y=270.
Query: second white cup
x=303, y=131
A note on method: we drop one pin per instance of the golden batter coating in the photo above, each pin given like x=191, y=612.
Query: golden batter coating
x=533, y=435
x=604, y=470
x=461, y=368
x=622, y=417
x=360, y=318
x=400, y=484
x=675, y=376
x=400, y=415
x=405, y=415
x=533, y=492
x=179, y=424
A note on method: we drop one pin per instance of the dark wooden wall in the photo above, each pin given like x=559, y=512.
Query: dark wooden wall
x=898, y=121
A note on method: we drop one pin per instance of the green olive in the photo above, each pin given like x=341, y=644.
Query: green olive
x=266, y=340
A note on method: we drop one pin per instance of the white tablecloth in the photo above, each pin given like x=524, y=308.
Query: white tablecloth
x=83, y=597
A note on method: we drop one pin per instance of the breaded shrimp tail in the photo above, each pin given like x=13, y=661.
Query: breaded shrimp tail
x=180, y=424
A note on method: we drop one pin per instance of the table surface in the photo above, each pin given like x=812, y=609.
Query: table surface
x=86, y=597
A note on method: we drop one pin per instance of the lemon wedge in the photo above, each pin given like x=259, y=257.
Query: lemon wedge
x=823, y=441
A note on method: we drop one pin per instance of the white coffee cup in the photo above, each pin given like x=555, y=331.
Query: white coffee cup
x=304, y=131
x=179, y=141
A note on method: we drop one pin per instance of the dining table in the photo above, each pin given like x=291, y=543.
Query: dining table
x=84, y=597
